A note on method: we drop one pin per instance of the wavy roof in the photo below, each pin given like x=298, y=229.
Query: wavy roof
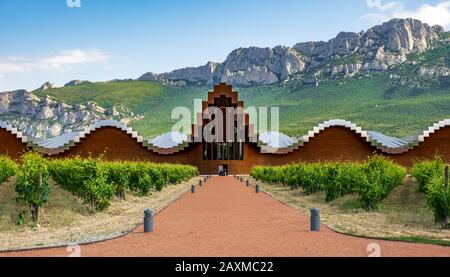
x=163, y=144
x=275, y=142
x=380, y=141
x=169, y=143
x=14, y=131
x=386, y=144
x=269, y=142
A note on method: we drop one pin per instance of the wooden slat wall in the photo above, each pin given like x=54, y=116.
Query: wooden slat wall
x=10, y=145
x=333, y=144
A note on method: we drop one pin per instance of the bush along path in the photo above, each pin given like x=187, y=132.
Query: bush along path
x=93, y=180
x=8, y=168
x=433, y=178
x=372, y=180
x=32, y=184
x=226, y=218
x=97, y=182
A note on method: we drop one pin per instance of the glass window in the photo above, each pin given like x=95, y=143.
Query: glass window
x=214, y=151
x=225, y=151
x=231, y=157
x=241, y=151
x=204, y=151
x=209, y=150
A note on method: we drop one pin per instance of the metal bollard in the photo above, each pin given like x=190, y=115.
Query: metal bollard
x=257, y=188
x=204, y=180
x=247, y=183
x=199, y=183
x=193, y=189
x=315, y=220
x=148, y=221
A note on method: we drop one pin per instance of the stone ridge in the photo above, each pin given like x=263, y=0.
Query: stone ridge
x=348, y=53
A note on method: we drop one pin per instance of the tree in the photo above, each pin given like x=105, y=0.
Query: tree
x=32, y=182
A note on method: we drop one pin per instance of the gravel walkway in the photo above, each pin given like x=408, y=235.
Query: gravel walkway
x=225, y=218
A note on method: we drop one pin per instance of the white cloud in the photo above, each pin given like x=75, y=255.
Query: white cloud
x=11, y=67
x=431, y=14
x=375, y=17
x=71, y=57
x=62, y=60
x=386, y=7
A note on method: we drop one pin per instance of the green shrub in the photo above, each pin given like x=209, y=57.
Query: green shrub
x=429, y=175
x=314, y=177
x=97, y=181
x=373, y=180
x=293, y=175
x=98, y=191
x=143, y=178
x=32, y=182
x=266, y=174
x=425, y=171
x=382, y=177
x=336, y=179
x=8, y=168
x=85, y=178
x=345, y=179
x=438, y=199
x=146, y=176
x=118, y=174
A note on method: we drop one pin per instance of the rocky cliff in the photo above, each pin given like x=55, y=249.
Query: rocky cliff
x=47, y=117
x=413, y=55
x=376, y=49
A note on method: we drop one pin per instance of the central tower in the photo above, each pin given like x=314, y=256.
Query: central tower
x=223, y=126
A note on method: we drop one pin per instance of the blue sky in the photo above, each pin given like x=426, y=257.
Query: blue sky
x=45, y=40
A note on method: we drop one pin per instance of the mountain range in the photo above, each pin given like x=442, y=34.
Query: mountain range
x=401, y=63
x=377, y=49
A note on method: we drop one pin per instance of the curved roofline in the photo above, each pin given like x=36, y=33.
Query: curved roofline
x=386, y=144
x=268, y=148
x=14, y=131
x=65, y=142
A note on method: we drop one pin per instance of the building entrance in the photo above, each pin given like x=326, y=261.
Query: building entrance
x=223, y=170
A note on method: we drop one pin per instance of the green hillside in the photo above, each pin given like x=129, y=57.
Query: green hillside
x=152, y=100
x=399, y=102
x=370, y=102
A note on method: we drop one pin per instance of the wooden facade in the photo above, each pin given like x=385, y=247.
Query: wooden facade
x=11, y=145
x=335, y=143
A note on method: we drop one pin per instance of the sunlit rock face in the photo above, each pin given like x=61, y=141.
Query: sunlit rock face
x=377, y=49
x=47, y=117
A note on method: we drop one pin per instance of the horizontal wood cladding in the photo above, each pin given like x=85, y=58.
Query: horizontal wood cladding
x=332, y=144
x=114, y=144
x=10, y=145
x=436, y=143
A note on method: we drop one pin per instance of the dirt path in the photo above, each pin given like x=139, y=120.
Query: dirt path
x=226, y=218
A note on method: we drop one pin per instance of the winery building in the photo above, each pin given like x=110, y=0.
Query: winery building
x=334, y=140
